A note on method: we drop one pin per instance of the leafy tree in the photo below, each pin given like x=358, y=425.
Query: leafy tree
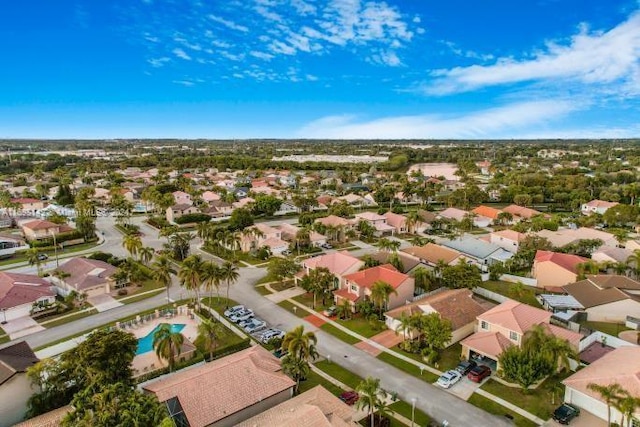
x=265, y=204
x=282, y=268
x=524, y=368
x=64, y=196
x=436, y=331
x=240, y=219
x=167, y=344
x=229, y=274
x=34, y=258
x=107, y=405
x=366, y=229
x=369, y=262
x=627, y=405
x=132, y=243
x=162, y=269
x=461, y=275
x=300, y=344
x=297, y=369
x=371, y=397
x=380, y=293
x=320, y=282
x=190, y=275
x=209, y=332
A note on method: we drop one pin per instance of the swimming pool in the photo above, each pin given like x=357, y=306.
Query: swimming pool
x=145, y=344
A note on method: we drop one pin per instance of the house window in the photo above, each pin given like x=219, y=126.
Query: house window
x=354, y=288
x=484, y=325
x=513, y=336
x=176, y=412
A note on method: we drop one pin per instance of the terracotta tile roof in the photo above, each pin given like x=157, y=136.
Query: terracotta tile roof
x=395, y=220
x=48, y=419
x=453, y=213
x=40, y=224
x=336, y=262
x=490, y=344
x=621, y=366
x=385, y=273
x=432, y=253
x=515, y=316
x=17, y=289
x=408, y=262
x=274, y=242
x=521, y=211
x=487, y=212
x=16, y=359
x=224, y=387
x=313, y=408
x=567, y=261
x=334, y=221
x=456, y=305
x=601, y=204
x=345, y=294
x=25, y=200
x=510, y=234
x=427, y=216
x=370, y=216
x=86, y=273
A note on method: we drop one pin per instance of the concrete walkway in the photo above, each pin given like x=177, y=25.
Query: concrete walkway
x=423, y=367
x=284, y=295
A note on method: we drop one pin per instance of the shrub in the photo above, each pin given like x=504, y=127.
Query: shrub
x=122, y=292
x=193, y=217
x=158, y=222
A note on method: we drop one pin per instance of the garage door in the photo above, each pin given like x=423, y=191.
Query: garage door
x=588, y=403
x=18, y=312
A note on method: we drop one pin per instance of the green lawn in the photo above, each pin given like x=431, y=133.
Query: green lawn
x=60, y=319
x=281, y=286
x=62, y=253
x=329, y=328
x=497, y=409
x=449, y=357
x=403, y=408
x=4, y=339
x=339, y=373
x=527, y=296
x=262, y=290
x=314, y=379
x=292, y=308
x=147, y=285
x=219, y=304
x=407, y=367
x=307, y=299
x=537, y=402
x=361, y=326
x=608, y=328
x=137, y=297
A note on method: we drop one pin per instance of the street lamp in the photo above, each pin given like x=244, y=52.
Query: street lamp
x=295, y=309
x=413, y=410
x=328, y=358
x=55, y=247
x=4, y=317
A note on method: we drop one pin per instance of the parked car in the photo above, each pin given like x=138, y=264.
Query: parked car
x=331, y=311
x=326, y=246
x=565, y=413
x=254, y=325
x=286, y=252
x=241, y=315
x=350, y=397
x=479, y=373
x=449, y=378
x=43, y=257
x=270, y=334
x=231, y=310
x=465, y=366
x=280, y=353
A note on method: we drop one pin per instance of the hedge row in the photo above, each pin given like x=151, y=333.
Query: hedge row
x=192, y=217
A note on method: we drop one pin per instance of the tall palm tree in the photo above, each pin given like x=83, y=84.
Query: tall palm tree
x=162, y=269
x=303, y=238
x=634, y=262
x=203, y=231
x=33, y=258
x=412, y=221
x=405, y=325
x=209, y=332
x=132, y=244
x=167, y=344
x=610, y=393
x=380, y=292
x=146, y=254
x=229, y=274
x=627, y=405
x=371, y=397
x=384, y=244
x=300, y=344
x=212, y=277
x=190, y=275
x=298, y=369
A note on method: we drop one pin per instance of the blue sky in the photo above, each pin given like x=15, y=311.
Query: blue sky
x=320, y=69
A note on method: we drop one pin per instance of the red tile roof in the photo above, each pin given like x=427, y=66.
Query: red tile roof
x=40, y=224
x=487, y=212
x=386, y=273
x=17, y=289
x=569, y=262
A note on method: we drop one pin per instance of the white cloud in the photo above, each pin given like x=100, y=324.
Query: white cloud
x=229, y=24
x=158, y=62
x=187, y=83
x=588, y=58
x=181, y=54
x=492, y=123
x=261, y=55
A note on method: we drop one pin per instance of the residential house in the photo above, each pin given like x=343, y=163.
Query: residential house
x=455, y=214
x=226, y=391
x=263, y=236
x=554, y=269
x=611, y=254
x=336, y=226
x=379, y=222
x=15, y=387
x=432, y=254
x=607, y=298
x=29, y=206
x=520, y=212
x=289, y=233
x=426, y=219
x=399, y=223
x=357, y=286
x=458, y=306
x=408, y=263
x=508, y=240
x=315, y=407
x=339, y=264
x=621, y=366
x=482, y=254
x=484, y=167
x=19, y=292
x=218, y=208
x=210, y=196
x=287, y=208
x=567, y=236
x=48, y=419
x=83, y=275
x=505, y=325
x=42, y=229
x=176, y=211
x=596, y=206
x=486, y=214
x=182, y=198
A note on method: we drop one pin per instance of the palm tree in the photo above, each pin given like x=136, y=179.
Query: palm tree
x=384, y=244
x=413, y=219
x=167, y=344
x=303, y=238
x=132, y=244
x=229, y=274
x=146, y=254
x=610, y=393
x=190, y=275
x=380, y=292
x=203, y=231
x=300, y=344
x=557, y=350
x=343, y=310
x=34, y=258
x=162, y=271
x=406, y=324
x=627, y=405
x=634, y=262
x=298, y=369
x=371, y=396
x=212, y=276
x=209, y=332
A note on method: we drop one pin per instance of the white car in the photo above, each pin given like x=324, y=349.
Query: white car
x=230, y=311
x=270, y=334
x=241, y=315
x=255, y=325
x=449, y=378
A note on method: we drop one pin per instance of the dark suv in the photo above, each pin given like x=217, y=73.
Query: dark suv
x=465, y=366
x=479, y=373
x=565, y=413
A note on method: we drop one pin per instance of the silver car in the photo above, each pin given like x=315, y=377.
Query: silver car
x=241, y=315
x=255, y=325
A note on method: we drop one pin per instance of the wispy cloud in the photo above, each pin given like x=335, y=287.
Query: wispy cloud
x=180, y=53
x=504, y=121
x=229, y=24
x=158, y=62
x=589, y=57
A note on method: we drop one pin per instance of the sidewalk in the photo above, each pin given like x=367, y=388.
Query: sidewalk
x=422, y=366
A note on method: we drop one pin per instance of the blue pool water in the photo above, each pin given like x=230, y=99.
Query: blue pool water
x=145, y=344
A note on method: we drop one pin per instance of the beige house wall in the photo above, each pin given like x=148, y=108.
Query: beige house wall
x=13, y=399
x=614, y=312
x=550, y=274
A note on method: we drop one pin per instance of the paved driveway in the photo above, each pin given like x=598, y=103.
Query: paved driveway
x=21, y=327
x=586, y=419
x=104, y=302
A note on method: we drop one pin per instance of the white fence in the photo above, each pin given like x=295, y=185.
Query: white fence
x=490, y=295
x=607, y=339
x=529, y=281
